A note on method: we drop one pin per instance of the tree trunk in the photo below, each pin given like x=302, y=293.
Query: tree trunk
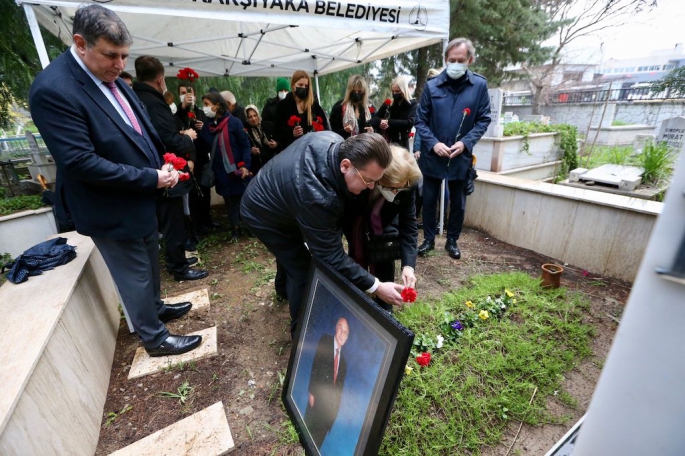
x=421, y=71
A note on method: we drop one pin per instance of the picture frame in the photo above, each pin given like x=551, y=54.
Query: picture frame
x=341, y=406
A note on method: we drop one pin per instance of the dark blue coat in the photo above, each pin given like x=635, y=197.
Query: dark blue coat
x=437, y=120
x=106, y=172
x=228, y=184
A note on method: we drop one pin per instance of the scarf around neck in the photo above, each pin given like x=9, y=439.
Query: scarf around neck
x=222, y=143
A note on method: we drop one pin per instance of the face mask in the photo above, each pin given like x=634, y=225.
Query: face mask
x=302, y=92
x=356, y=97
x=456, y=70
x=397, y=97
x=173, y=108
x=388, y=194
x=281, y=95
x=208, y=112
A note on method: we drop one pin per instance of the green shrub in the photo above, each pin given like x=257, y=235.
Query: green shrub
x=657, y=161
x=568, y=135
x=20, y=203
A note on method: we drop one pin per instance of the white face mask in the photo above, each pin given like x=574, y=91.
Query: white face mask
x=388, y=194
x=281, y=95
x=208, y=112
x=173, y=108
x=456, y=70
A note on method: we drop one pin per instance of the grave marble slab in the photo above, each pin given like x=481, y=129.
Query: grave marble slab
x=672, y=132
x=205, y=433
x=199, y=298
x=612, y=174
x=144, y=365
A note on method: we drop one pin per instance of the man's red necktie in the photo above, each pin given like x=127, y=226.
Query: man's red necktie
x=127, y=109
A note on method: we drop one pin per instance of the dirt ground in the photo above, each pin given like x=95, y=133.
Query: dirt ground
x=254, y=346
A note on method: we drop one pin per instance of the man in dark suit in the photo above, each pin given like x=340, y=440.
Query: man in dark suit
x=108, y=167
x=326, y=382
x=150, y=88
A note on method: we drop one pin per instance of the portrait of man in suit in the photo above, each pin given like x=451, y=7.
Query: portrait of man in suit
x=326, y=382
x=108, y=167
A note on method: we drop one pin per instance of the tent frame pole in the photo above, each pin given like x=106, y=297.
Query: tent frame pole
x=316, y=79
x=37, y=37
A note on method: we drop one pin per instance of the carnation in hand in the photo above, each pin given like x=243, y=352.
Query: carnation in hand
x=409, y=294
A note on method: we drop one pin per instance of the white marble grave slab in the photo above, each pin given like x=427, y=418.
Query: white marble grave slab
x=672, y=132
x=199, y=298
x=144, y=365
x=205, y=433
x=612, y=174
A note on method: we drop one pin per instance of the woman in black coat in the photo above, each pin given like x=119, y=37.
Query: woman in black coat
x=351, y=115
x=384, y=213
x=298, y=113
x=395, y=119
x=262, y=146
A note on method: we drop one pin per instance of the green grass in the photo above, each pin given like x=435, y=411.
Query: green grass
x=620, y=123
x=464, y=399
x=20, y=203
x=656, y=159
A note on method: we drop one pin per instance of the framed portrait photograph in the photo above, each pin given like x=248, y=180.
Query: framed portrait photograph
x=345, y=367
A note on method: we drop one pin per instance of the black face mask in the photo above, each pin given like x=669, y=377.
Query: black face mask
x=356, y=97
x=302, y=92
x=397, y=97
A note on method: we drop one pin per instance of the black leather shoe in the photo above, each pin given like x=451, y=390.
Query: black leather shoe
x=452, y=248
x=175, y=345
x=281, y=297
x=191, y=274
x=426, y=247
x=174, y=311
x=191, y=261
x=190, y=246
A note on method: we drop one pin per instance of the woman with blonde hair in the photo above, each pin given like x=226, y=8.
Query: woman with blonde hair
x=380, y=226
x=298, y=113
x=395, y=119
x=351, y=115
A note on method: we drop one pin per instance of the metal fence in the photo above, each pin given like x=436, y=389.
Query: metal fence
x=593, y=96
x=18, y=147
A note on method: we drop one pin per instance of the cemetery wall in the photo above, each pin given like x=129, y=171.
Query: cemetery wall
x=636, y=113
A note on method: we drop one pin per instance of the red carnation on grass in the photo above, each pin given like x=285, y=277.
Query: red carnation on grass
x=408, y=294
x=424, y=359
x=466, y=111
x=294, y=121
x=187, y=74
x=387, y=102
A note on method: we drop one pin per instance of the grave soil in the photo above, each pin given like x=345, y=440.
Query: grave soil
x=254, y=346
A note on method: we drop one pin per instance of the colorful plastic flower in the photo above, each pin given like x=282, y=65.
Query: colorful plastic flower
x=470, y=305
x=456, y=325
x=509, y=293
x=408, y=370
x=440, y=341
x=483, y=315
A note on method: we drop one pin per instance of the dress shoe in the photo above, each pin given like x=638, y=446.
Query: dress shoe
x=191, y=261
x=175, y=345
x=426, y=247
x=174, y=311
x=452, y=248
x=281, y=297
x=191, y=274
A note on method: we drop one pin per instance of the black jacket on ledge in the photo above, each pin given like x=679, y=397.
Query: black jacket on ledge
x=301, y=193
x=400, y=123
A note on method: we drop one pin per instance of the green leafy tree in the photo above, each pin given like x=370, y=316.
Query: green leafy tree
x=673, y=84
x=19, y=61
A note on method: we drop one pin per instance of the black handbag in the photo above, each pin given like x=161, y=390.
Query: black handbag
x=471, y=176
x=382, y=247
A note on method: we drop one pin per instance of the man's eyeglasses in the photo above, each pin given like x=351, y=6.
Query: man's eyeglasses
x=368, y=184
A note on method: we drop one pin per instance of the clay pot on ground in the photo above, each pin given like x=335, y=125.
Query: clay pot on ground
x=551, y=275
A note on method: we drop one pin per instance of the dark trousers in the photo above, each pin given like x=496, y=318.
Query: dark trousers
x=199, y=208
x=295, y=260
x=457, y=205
x=279, y=281
x=171, y=220
x=134, y=265
x=233, y=209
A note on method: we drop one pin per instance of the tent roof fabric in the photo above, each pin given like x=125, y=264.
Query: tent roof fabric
x=264, y=37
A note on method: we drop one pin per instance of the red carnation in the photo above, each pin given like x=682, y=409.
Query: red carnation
x=408, y=294
x=411, y=135
x=387, y=102
x=183, y=176
x=168, y=157
x=179, y=163
x=372, y=110
x=187, y=74
x=294, y=121
x=466, y=111
x=424, y=359
x=317, y=125
x=191, y=115
x=241, y=164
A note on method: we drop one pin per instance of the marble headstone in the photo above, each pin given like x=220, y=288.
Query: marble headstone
x=496, y=128
x=673, y=132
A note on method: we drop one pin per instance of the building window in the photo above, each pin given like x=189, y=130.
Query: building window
x=668, y=67
x=642, y=68
x=655, y=68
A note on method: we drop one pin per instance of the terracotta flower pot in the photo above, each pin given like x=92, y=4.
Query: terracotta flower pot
x=551, y=275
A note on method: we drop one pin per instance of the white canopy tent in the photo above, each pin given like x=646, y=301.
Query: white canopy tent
x=259, y=37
